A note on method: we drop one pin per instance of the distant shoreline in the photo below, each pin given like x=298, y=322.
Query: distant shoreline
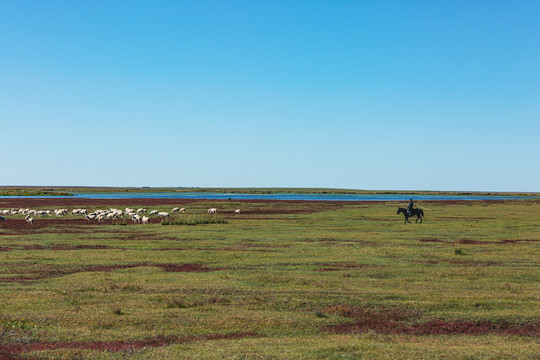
x=70, y=190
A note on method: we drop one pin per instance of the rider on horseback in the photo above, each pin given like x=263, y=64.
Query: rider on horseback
x=410, y=208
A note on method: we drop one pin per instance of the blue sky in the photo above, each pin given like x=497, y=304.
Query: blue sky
x=410, y=95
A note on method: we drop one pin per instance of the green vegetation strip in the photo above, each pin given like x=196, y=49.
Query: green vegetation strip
x=195, y=220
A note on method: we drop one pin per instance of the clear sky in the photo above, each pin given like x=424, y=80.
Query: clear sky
x=398, y=95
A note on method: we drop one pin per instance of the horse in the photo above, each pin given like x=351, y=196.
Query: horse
x=418, y=212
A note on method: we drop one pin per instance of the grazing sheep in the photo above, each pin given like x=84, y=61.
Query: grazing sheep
x=175, y=209
x=145, y=220
x=29, y=220
x=237, y=211
x=136, y=219
x=163, y=214
x=212, y=211
x=182, y=210
x=153, y=212
x=60, y=212
x=141, y=211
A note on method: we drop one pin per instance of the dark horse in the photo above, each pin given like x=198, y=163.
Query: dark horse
x=418, y=212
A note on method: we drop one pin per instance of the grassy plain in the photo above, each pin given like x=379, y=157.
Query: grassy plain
x=69, y=190
x=281, y=280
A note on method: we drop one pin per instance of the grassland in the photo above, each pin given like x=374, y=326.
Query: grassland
x=31, y=191
x=69, y=190
x=281, y=280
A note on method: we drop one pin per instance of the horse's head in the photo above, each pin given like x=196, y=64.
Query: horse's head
x=399, y=210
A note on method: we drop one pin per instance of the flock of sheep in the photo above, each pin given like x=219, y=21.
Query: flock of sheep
x=137, y=216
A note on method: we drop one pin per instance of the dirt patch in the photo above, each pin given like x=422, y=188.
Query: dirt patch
x=30, y=273
x=401, y=321
x=13, y=351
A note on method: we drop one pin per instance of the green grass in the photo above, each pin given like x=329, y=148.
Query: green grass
x=31, y=191
x=271, y=283
x=195, y=220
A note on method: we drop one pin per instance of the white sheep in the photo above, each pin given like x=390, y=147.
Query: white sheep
x=145, y=220
x=212, y=211
x=182, y=210
x=163, y=214
x=175, y=209
x=237, y=211
x=153, y=212
x=29, y=220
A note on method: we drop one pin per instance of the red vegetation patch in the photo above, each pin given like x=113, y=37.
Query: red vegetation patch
x=32, y=273
x=186, y=267
x=342, y=266
x=441, y=327
x=64, y=226
x=12, y=351
x=434, y=240
x=400, y=321
x=473, y=242
x=475, y=262
x=63, y=247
